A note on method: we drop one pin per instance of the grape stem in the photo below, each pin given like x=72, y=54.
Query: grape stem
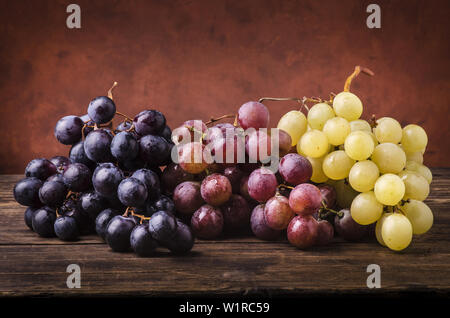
x=281, y=99
x=140, y=216
x=285, y=186
x=125, y=116
x=358, y=69
x=213, y=120
x=57, y=214
x=110, y=95
x=338, y=213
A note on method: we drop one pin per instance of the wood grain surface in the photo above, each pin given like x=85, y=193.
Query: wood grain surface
x=31, y=266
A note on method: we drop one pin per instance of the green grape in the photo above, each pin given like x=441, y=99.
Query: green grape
x=420, y=169
x=388, y=130
x=389, y=189
x=344, y=193
x=414, y=138
x=414, y=156
x=294, y=123
x=363, y=175
x=318, y=176
x=365, y=208
x=313, y=143
x=337, y=165
x=359, y=145
x=416, y=186
x=347, y=105
x=360, y=125
x=419, y=214
x=319, y=114
x=378, y=228
x=396, y=231
x=390, y=158
x=374, y=139
x=336, y=129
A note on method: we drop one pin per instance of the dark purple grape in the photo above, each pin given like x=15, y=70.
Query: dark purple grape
x=66, y=228
x=302, y=231
x=28, y=217
x=42, y=222
x=124, y=146
x=207, y=222
x=118, y=233
x=259, y=225
x=183, y=240
x=142, y=242
x=162, y=227
x=328, y=195
x=26, y=192
x=123, y=126
x=77, y=155
x=154, y=149
x=236, y=213
x=85, y=224
x=151, y=180
x=56, y=177
x=216, y=189
x=166, y=133
x=164, y=203
x=173, y=175
x=97, y=146
x=40, y=168
x=253, y=115
x=102, y=220
x=106, y=179
x=132, y=192
x=68, y=130
x=187, y=197
x=101, y=109
x=262, y=184
x=295, y=169
x=93, y=203
x=77, y=177
x=61, y=163
x=347, y=228
x=277, y=212
x=149, y=122
x=234, y=174
x=305, y=199
x=52, y=193
x=325, y=233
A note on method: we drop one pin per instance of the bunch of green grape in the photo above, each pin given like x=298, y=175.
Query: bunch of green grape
x=376, y=168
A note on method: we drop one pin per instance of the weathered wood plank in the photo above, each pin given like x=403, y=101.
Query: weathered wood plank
x=30, y=265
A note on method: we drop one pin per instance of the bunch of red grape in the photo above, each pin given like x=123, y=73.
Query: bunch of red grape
x=109, y=183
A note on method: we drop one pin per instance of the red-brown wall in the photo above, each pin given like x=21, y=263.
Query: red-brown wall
x=196, y=59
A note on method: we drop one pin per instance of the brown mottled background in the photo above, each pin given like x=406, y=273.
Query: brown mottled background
x=194, y=59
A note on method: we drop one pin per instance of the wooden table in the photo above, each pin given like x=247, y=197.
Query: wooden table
x=30, y=265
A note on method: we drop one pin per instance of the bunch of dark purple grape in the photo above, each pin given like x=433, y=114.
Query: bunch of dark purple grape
x=109, y=183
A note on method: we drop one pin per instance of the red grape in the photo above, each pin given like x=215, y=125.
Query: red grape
x=207, y=222
x=236, y=213
x=189, y=131
x=173, y=175
x=277, y=212
x=347, y=228
x=328, y=195
x=284, y=141
x=295, y=169
x=187, y=197
x=192, y=158
x=305, y=199
x=216, y=189
x=302, y=231
x=258, y=146
x=230, y=150
x=262, y=184
x=325, y=232
x=253, y=115
x=234, y=174
x=259, y=225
